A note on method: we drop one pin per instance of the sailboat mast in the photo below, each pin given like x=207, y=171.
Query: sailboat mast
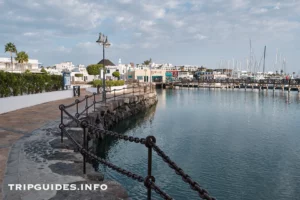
x=264, y=60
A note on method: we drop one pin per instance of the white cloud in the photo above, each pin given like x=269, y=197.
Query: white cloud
x=238, y=4
x=277, y=6
x=86, y=44
x=125, y=1
x=258, y=10
x=146, y=24
x=30, y=34
x=178, y=23
x=149, y=45
x=200, y=37
x=124, y=46
x=138, y=34
x=64, y=49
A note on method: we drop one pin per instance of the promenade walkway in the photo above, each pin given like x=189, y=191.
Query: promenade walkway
x=15, y=124
x=19, y=123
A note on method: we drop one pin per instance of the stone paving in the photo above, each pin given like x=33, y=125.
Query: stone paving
x=20, y=131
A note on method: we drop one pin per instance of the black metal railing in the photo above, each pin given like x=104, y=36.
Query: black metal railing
x=149, y=142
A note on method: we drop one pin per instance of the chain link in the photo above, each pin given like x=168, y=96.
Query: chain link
x=150, y=183
x=102, y=161
x=185, y=177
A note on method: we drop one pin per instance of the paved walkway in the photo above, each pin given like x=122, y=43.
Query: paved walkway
x=15, y=124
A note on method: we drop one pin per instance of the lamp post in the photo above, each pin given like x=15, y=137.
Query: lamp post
x=102, y=40
x=151, y=64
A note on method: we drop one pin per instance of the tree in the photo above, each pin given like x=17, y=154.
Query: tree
x=116, y=74
x=43, y=70
x=147, y=62
x=94, y=69
x=22, y=57
x=11, y=48
x=27, y=71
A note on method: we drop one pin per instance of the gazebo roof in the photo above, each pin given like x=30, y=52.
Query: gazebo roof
x=107, y=62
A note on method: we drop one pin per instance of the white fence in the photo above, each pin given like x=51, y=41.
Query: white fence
x=8, y=104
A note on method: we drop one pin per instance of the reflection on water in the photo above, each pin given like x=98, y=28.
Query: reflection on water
x=237, y=144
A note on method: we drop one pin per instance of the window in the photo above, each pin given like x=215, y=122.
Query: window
x=107, y=71
x=140, y=77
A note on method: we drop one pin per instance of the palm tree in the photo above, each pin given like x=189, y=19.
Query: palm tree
x=11, y=48
x=22, y=57
x=147, y=62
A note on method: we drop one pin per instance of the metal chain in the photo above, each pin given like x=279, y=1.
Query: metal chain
x=185, y=177
x=102, y=161
x=150, y=183
x=99, y=131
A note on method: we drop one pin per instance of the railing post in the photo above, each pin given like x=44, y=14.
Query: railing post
x=77, y=101
x=123, y=92
x=61, y=107
x=84, y=125
x=114, y=94
x=94, y=101
x=150, y=140
x=86, y=105
x=133, y=90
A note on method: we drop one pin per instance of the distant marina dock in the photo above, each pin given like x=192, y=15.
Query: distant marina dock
x=282, y=84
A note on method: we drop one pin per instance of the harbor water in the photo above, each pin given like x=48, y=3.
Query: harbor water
x=239, y=145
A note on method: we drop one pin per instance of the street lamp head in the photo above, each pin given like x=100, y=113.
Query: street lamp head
x=100, y=39
x=106, y=43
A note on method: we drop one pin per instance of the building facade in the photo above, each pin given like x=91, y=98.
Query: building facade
x=144, y=75
x=5, y=65
x=65, y=66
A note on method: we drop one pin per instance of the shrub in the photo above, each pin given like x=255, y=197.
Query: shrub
x=96, y=83
x=94, y=69
x=78, y=75
x=12, y=84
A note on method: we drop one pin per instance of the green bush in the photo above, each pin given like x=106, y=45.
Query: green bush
x=95, y=83
x=12, y=84
x=78, y=75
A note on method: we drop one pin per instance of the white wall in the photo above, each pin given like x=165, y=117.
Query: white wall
x=93, y=89
x=8, y=104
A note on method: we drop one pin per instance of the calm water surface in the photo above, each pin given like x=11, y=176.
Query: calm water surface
x=238, y=145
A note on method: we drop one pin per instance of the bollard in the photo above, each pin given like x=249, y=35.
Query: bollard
x=98, y=89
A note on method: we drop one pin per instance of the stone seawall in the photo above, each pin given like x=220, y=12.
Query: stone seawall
x=40, y=157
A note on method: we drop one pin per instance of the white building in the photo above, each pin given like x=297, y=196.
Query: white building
x=5, y=64
x=53, y=71
x=123, y=69
x=85, y=77
x=65, y=66
x=185, y=75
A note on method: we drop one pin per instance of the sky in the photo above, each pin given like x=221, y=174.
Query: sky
x=192, y=32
